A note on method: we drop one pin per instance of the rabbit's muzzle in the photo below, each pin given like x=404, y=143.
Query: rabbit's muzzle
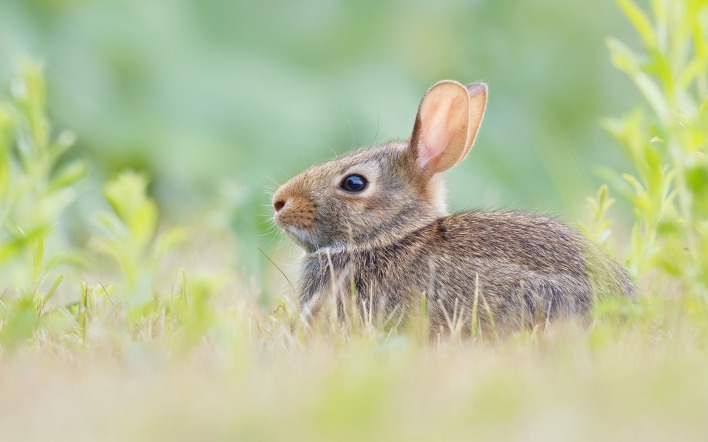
x=294, y=212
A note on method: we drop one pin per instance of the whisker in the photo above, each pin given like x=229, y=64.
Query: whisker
x=279, y=269
x=378, y=126
x=355, y=139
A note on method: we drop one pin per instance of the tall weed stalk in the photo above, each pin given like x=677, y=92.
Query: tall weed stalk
x=35, y=191
x=665, y=140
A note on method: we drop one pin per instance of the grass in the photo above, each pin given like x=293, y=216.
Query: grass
x=151, y=332
x=560, y=385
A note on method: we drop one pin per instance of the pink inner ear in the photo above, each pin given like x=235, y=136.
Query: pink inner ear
x=435, y=134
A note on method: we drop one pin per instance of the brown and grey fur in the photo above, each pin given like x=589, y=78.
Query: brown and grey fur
x=395, y=242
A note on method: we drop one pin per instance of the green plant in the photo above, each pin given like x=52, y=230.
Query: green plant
x=131, y=238
x=665, y=141
x=34, y=193
x=35, y=254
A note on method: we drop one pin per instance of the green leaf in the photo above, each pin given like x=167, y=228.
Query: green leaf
x=127, y=195
x=47, y=296
x=68, y=176
x=628, y=62
x=19, y=323
x=6, y=125
x=640, y=21
x=38, y=255
x=167, y=240
x=29, y=92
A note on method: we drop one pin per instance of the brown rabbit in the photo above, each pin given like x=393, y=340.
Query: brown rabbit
x=375, y=228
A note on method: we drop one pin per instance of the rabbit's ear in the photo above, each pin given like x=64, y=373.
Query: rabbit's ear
x=447, y=123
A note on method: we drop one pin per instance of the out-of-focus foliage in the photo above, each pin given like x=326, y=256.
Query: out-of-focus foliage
x=130, y=236
x=600, y=227
x=37, y=261
x=665, y=140
x=192, y=91
x=34, y=194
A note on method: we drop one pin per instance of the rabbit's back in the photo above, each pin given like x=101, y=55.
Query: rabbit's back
x=523, y=268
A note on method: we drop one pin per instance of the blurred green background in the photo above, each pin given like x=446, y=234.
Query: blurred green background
x=217, y=97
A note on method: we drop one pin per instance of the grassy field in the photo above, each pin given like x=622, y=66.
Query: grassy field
x=151, y=323
x=559, y=385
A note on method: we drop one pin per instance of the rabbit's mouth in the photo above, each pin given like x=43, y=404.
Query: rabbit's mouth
x=306, y=238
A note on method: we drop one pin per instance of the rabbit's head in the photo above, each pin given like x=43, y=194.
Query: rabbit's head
x=377, y=195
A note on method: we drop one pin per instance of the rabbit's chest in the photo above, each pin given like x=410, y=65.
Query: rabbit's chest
x=380, y=274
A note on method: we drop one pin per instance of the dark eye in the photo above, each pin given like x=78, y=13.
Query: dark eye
x=354, y=183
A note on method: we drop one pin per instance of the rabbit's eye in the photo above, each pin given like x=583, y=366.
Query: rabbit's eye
x=354, y=183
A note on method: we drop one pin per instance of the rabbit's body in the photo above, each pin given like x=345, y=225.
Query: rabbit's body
x=376, y=230
x=526, y=268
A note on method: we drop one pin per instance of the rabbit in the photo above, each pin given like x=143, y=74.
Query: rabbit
x=375, y=229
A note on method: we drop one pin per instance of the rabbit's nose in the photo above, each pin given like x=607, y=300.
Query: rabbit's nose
x=278, y=205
